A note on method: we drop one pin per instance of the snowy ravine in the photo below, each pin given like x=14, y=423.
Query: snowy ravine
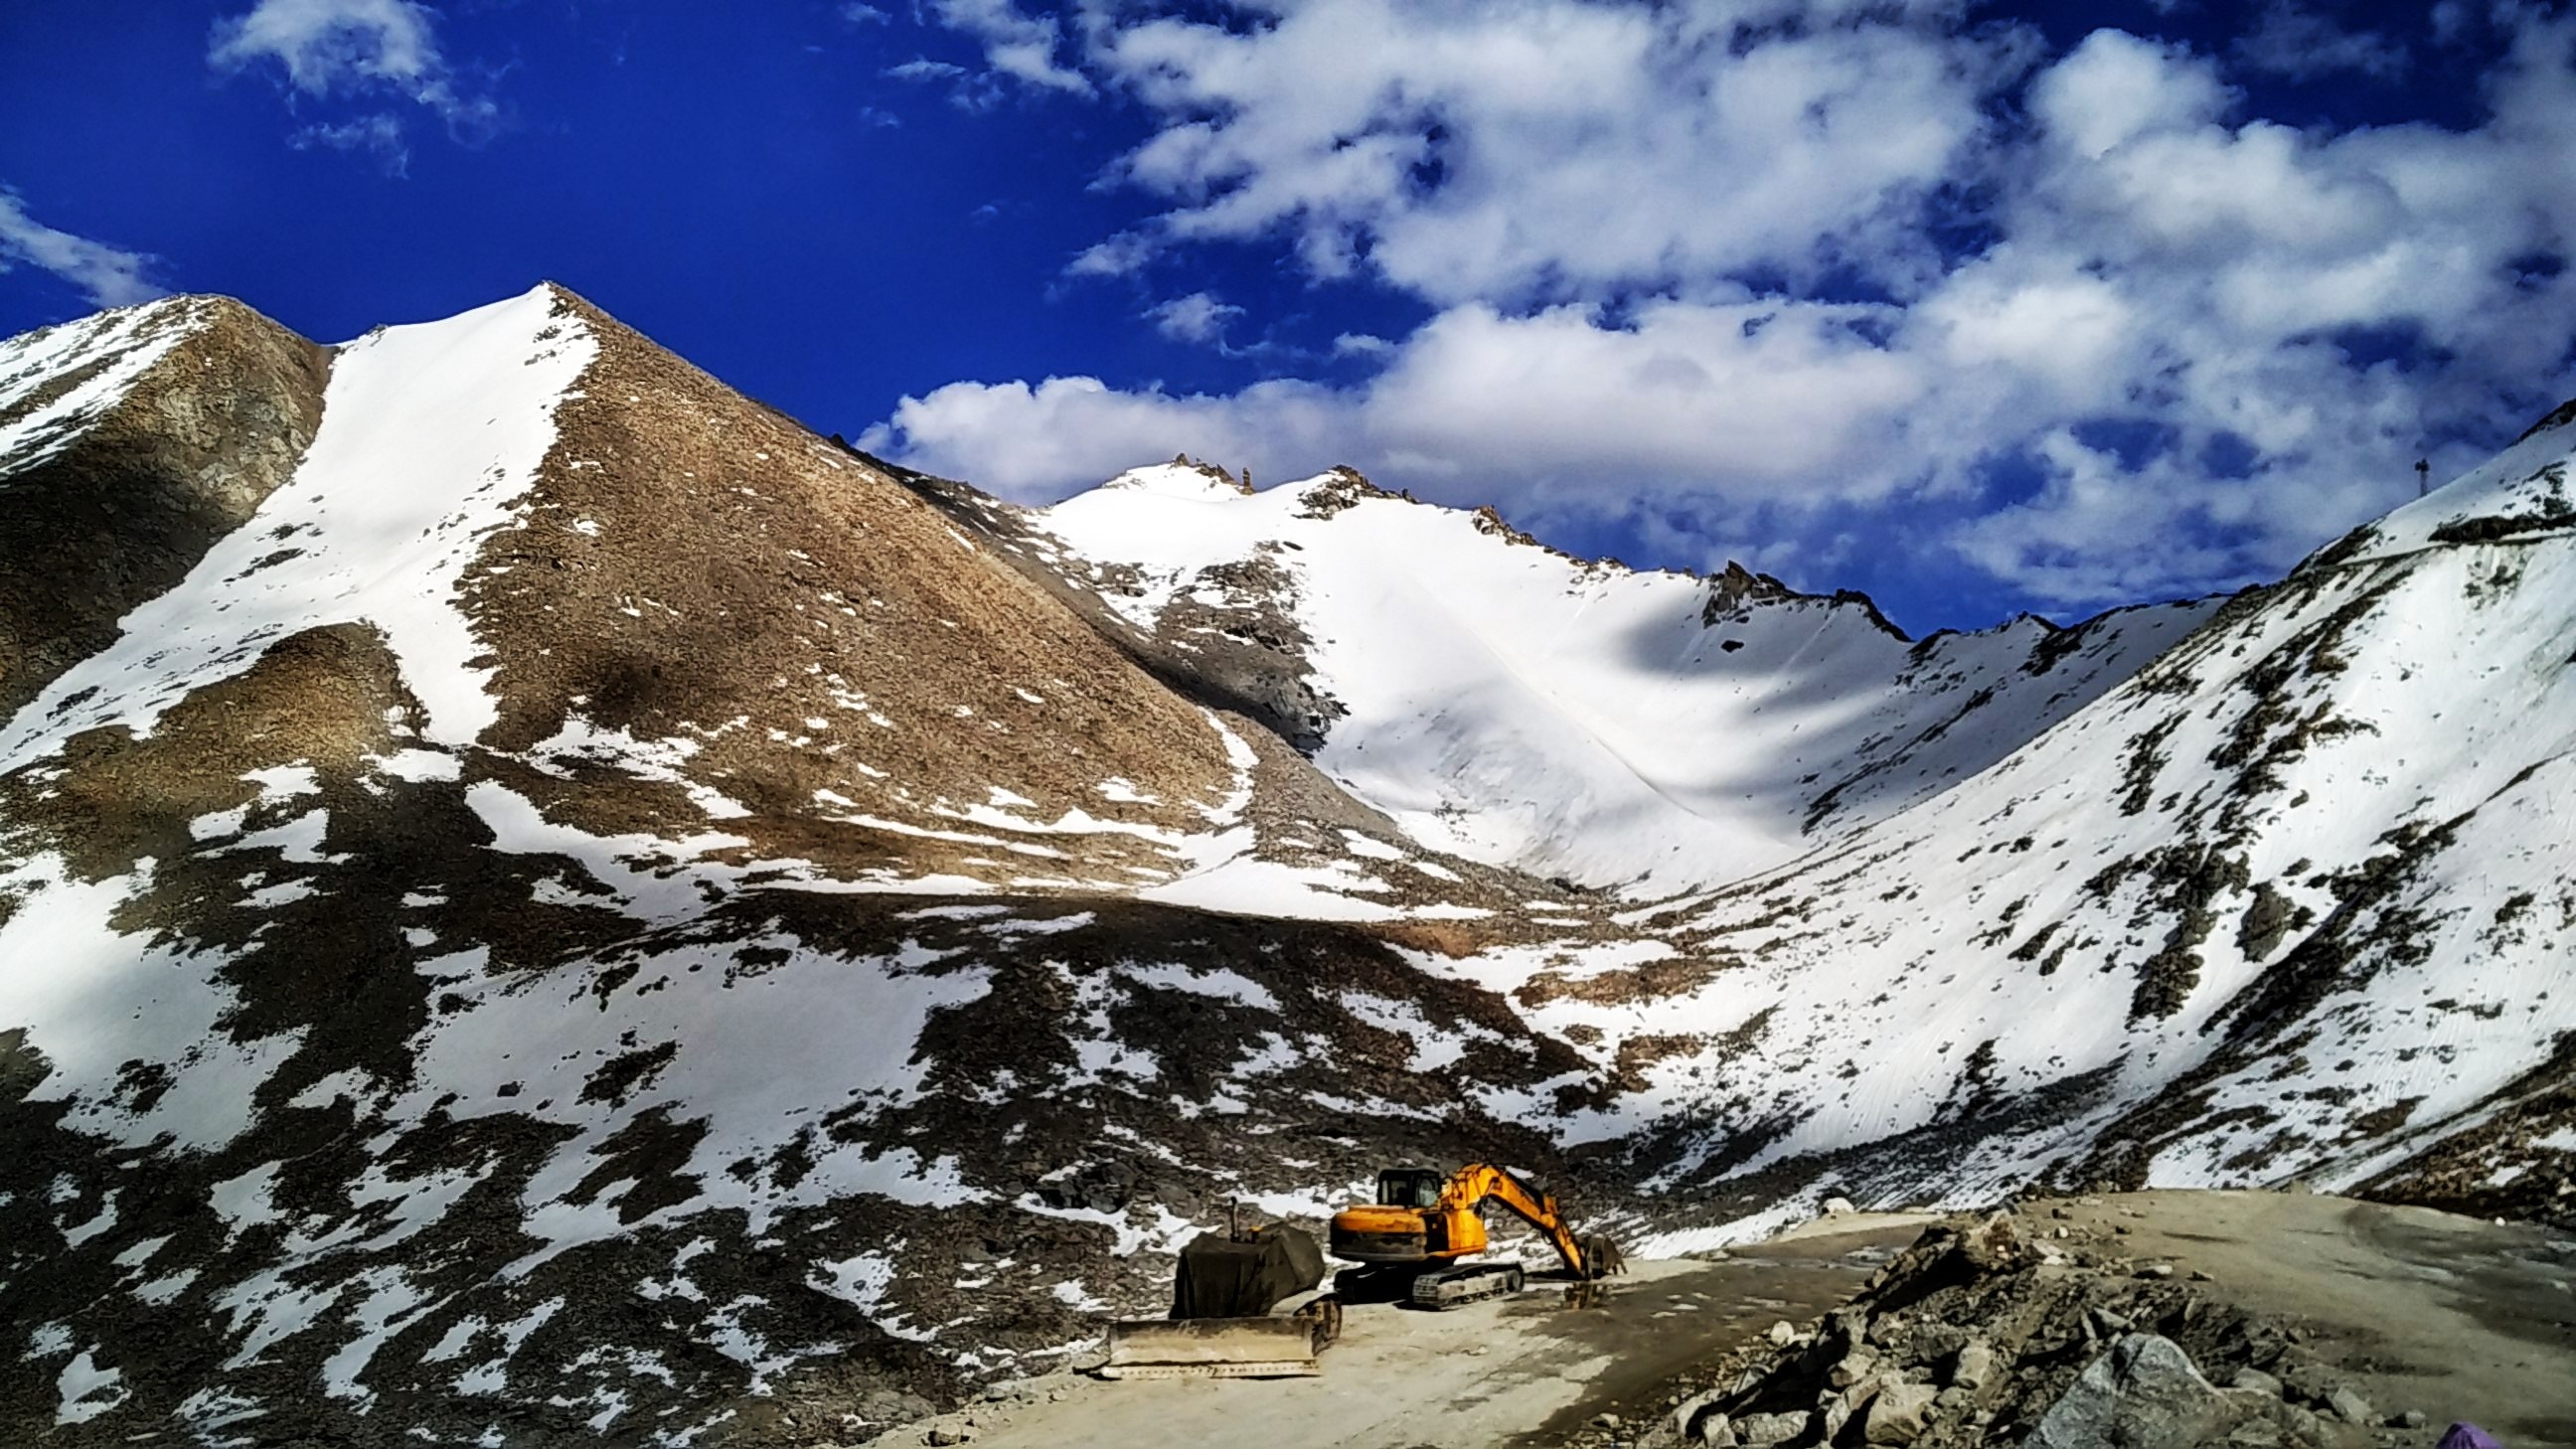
x=558, y=906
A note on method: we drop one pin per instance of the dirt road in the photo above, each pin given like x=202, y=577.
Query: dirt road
x=1514, y=1371
x=2448, y=1316
x=2456, y=1317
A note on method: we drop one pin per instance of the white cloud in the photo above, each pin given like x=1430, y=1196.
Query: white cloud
x=1020, y=46
x=922, y=68
x=2115, y=87
x=1747, y=397
x=1545, y=144
x=1197, y=317
x=1743, y=398
x=2299, y=43
x=108, y=276
x=1031, y=442
x=380, y=135
x=354, y=47
x=1638, y=229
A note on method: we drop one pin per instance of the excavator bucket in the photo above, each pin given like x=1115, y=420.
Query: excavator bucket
x=1224, y=1348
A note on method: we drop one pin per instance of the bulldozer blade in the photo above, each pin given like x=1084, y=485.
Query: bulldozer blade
x=1221, y=1348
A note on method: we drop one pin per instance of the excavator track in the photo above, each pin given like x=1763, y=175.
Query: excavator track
x=1465, y=1283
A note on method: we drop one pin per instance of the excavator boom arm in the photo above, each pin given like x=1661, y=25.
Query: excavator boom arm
x=1482, y=1182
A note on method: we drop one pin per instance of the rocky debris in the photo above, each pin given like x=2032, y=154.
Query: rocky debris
x=1898, y=1413
x=1974, y=1368
x=1756, y=1430
x=2255, y=1380
x=2351, y=1407
x=1693, y=1422
x=1854, y=1367
x=2143, y=1394
x=1984, y=1333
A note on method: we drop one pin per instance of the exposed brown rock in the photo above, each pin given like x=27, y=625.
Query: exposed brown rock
x=122, y=513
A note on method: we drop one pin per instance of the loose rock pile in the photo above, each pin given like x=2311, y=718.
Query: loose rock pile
x=1987, y=1332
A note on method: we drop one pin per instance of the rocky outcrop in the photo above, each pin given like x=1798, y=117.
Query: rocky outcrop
x=124, y=499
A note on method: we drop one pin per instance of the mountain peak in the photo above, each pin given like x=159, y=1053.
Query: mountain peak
x=1182, y=478
x=2522, y=493
x=2557, y=417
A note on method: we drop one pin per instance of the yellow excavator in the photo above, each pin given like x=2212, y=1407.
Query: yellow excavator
x=1425, y=1217
x=1252, y=1302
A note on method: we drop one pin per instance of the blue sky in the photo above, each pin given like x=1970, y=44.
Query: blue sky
x=1975, y=307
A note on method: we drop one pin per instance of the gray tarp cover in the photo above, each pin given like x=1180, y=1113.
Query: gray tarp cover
x=1221, y=1278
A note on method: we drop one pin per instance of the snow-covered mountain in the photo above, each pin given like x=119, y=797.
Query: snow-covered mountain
x=2201, y=893
x=542, y=901
x=1505, y=702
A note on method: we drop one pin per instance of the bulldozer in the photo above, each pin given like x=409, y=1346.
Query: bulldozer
x=1246, y=1303
x=1426, y=1217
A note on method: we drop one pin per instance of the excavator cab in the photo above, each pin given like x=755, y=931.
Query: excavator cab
x=1410, y=1187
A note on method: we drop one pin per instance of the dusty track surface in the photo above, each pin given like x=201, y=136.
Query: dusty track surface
x=2456, y=1317
x=1518, y=1371
x=2453, y=1317
x=2422, y=1312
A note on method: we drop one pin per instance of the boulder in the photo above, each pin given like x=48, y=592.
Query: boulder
x=2256, y=1379
x=1898, y=1414
x=2255, y=1434
x=1855, y=1366
x=1757, y=1430
x=1783, y=1333
x=1846, y=1329
x=2145, y=1393
x=2351, y=1407
x=1689, y=1412
x=2307, y=1381
x=1974, y=1368
x=1703, y=1426
x=1927, y=1342
x=2261, y=1421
